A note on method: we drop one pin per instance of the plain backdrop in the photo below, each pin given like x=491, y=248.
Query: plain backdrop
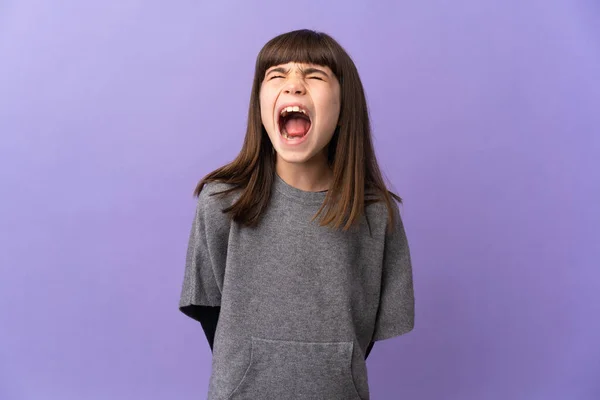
x=486, y=118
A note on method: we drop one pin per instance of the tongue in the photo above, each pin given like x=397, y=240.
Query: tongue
x=297, y=126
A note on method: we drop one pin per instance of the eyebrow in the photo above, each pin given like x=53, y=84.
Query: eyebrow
x=307, y=71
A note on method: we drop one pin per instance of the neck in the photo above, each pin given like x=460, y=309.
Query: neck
x=312, y=176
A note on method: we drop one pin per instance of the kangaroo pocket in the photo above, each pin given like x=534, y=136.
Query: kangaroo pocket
x=297, y=370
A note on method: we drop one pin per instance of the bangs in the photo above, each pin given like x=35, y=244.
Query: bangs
x=302, y=46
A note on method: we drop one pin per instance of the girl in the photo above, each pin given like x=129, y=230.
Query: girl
x=299, y=302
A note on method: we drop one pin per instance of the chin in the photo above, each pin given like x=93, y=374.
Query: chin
x=293, y=158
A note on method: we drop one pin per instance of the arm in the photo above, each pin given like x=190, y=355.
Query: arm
x=204, y=268
x=208, y=317
x=396, y=313
x=369, y=348
x=209, y=320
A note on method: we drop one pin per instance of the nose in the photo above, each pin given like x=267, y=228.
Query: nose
x=294, y=86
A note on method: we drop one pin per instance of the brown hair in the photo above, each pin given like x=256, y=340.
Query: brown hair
x=350, y=152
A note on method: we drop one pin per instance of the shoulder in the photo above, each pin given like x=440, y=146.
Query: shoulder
x=380, y=209
x=384, y=217
x=217, y=194
x=214, y=198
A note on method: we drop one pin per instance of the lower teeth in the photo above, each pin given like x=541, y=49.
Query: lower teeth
x=285, y=135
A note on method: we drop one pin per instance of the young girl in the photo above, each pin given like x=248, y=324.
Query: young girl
x=299, y=301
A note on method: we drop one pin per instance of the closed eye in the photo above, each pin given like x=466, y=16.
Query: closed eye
x=315, y=77
x=275, y=76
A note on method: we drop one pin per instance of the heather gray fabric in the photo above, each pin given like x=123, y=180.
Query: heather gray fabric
x=299, y=303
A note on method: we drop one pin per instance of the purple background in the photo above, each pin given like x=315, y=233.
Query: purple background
x=486, y=120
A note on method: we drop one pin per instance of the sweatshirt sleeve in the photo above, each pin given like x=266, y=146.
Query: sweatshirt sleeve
x=205, y=259
x=396, y=312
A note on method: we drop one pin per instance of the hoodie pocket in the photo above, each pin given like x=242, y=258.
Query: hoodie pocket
x=281, y=370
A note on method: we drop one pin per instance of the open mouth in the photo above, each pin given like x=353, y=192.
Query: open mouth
x=294, y=122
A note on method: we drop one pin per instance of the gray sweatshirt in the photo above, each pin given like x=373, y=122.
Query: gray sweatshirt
x=299, y=303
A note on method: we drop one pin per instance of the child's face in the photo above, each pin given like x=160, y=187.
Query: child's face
x=313, y=89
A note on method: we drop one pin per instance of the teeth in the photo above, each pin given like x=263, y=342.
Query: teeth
x=285, y=135
x=290, y=109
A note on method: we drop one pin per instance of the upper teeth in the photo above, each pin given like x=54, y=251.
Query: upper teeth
x=289, y=109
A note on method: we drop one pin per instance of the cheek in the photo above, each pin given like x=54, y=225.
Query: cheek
x=331, y=106
x=265, y=111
